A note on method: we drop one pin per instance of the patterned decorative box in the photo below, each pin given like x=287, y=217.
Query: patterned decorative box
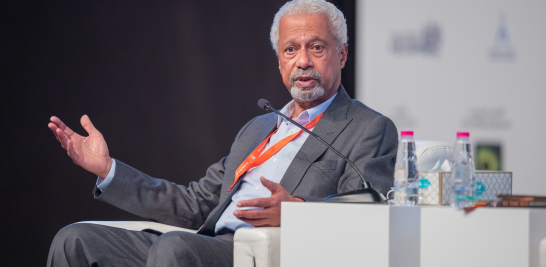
x=438, y=193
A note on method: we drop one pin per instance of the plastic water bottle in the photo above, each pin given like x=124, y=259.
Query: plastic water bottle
x=406, y=181
x=462, y=172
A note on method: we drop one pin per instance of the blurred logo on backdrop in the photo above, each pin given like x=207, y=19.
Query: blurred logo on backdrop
x=486, y=118
x=502, y=49
x=427, y=41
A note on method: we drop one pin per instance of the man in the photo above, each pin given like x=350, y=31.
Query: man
x=270, y=160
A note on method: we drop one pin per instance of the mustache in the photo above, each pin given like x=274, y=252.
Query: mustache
x=301, y=72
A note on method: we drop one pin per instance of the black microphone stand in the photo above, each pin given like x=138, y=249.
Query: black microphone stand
x=365, y=195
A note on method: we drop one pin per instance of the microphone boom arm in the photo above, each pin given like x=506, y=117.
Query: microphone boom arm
x=366, y=195
x=269, y=107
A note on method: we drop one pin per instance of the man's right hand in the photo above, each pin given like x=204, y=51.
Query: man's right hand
x=91, y=152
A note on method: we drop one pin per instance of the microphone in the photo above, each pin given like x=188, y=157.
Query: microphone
x=365, y=195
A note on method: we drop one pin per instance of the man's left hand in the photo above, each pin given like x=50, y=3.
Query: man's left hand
x=270, y=215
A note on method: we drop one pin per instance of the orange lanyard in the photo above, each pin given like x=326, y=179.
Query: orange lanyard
x=256, y=158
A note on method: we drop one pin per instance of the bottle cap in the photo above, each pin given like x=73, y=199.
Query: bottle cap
x=406, y=133
x=463, y=134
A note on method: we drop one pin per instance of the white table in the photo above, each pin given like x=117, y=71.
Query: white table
x=500, y=237
x=332, y=234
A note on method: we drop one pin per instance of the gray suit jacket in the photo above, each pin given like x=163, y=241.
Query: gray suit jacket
x=363, y=135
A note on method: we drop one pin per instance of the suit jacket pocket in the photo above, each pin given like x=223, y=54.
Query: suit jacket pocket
x=323, y=165
x=321, y=178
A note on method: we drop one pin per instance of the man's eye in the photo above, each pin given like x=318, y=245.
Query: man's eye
x=317, y=47
x=290, y=49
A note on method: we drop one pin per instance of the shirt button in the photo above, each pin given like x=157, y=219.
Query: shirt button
x=274, y=160
x=291, y=131
x=257, y=188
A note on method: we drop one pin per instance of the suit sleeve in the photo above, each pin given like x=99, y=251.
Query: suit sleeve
x=163, y=201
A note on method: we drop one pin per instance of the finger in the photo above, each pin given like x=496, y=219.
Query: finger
x=61, y=125
x=62, y=138
x=257, y=202
x=252, y=214
x=70, y=149
x=272, y=186
x=257, y=222
x=53, y=128
x=88, y=125
x=71, y=152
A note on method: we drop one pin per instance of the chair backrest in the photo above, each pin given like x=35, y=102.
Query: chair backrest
x=429, y=153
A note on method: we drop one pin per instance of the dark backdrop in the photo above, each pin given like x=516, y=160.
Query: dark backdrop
x=168, y=84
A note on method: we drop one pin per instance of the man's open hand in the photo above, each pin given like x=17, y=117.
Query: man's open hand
x=91, y=152
x=270, y=215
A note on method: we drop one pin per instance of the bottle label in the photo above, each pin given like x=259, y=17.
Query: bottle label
x=400, y=197
x=400, y=175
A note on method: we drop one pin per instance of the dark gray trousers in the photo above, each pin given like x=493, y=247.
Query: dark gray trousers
x=97, y=245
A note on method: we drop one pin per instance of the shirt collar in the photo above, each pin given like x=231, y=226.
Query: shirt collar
x=307, y=115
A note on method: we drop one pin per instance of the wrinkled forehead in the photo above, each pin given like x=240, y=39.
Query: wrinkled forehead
x=313, y=26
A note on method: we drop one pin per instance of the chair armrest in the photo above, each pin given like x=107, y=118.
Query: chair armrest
x=257, y=247
x=141, y=225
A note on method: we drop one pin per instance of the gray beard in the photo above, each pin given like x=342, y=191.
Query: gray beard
x=306, y=94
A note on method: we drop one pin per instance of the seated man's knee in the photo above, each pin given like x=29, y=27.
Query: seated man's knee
x=85, y=244
x=68, y=246
x=74, y=233
x=173, y=244
x=173, y=240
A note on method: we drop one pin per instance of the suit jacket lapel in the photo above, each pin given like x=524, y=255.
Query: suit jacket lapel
x=328, y=128
x=269, y=127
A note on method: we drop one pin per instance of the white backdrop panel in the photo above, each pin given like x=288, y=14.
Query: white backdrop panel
x=438, y=67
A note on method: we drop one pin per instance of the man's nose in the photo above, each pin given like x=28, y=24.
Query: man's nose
x=304, y=59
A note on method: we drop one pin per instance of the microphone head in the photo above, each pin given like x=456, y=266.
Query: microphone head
x=263, y=104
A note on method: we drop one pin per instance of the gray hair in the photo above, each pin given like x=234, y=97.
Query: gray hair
x=338, y=25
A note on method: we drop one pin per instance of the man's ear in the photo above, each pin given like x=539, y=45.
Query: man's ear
x=344, y=51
